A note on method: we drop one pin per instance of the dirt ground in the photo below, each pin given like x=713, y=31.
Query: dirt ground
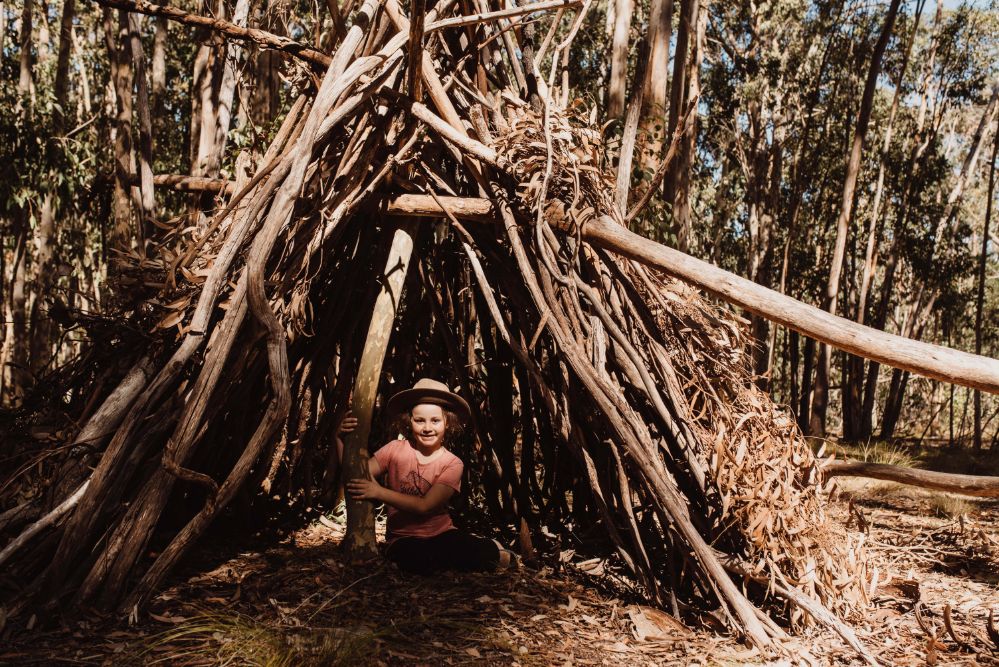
x=295, y=603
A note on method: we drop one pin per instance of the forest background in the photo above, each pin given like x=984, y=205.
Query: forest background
x=840, y=152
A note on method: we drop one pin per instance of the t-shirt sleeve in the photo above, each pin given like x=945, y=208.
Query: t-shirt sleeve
x=450, y=475
x=386, y=453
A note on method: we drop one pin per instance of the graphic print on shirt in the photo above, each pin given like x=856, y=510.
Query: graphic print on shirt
x=414, y=484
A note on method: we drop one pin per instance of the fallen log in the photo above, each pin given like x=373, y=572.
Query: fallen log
x=968, y=485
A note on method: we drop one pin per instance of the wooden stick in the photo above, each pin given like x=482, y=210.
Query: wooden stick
x=447, y=131
x=190, y=183
x=101, y=424
x=265, y=39
x=414, y=77
x=930, y=360
x=360, y=541
x=968, y=485
x=813, y=607
x=512, y=12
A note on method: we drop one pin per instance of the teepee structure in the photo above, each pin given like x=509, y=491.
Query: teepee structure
x=434, y=203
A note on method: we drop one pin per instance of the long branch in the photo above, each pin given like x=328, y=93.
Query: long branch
x=265, y=39
x=968, y=485
x=313, y=56
x=933, y=361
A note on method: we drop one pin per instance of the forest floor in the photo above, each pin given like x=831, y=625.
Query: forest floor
x=295, y=603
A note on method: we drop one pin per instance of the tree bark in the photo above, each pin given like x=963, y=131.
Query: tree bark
x=657, y=75
x=267, y=74
x=25, y=82
x=61, y=85
x=147, y=196
x=679, y=90
x=20, y=377
x=3, y=43
x=682, y=221
x=980, y=297
x=619, y=58
x=157, y=72
x=123, y=231
x=39, y=324
x=656, y=84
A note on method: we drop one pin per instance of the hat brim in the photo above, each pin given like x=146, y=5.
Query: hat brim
x=406, y=399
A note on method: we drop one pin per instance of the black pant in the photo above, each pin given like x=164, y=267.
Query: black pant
x=451, y=550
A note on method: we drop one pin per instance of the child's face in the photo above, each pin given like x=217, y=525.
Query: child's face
x=427, y=423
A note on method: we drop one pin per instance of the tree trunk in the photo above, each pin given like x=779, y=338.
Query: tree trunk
x=679, y=88
x=202, y=89
x=124, y=231
x=656, y=84
x=870, y=257
x=265, y=100
x=657, y=75
x=84, y=104
x=899, y=377
x=794, y=360
x=861, y=425
x=61, y=86
x=619, y=58
x=980, y=297
x=226, y=96
x=147, y=196
x=968, y=485
x=359, y=543
x=20, y=377
x=157, y=73
x=3, y=43
x=682, y=219
x=817, y=423
x=40, y=325
x=25, y=82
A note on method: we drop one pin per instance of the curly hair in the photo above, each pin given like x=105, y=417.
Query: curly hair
x=453, y=428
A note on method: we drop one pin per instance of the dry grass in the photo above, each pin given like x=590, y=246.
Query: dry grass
x=950, y=506
x=216, y=638
x=877, y=451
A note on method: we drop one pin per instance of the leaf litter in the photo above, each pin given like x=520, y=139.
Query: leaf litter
x=297, y=603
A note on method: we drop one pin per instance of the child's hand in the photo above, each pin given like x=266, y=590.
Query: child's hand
x=347, y=424
x=364, y=489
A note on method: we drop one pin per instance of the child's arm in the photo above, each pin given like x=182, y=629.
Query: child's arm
x=433, y=501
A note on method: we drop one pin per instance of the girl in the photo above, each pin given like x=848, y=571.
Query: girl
x=421, y=476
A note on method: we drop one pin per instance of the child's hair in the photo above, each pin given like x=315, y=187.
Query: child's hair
x=452, y=424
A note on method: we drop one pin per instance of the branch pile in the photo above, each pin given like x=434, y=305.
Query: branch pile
x=605, y=396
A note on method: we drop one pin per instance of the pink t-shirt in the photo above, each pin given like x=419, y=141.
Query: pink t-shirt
x=404, y=473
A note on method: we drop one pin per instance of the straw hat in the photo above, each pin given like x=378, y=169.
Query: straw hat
x=432, y=392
